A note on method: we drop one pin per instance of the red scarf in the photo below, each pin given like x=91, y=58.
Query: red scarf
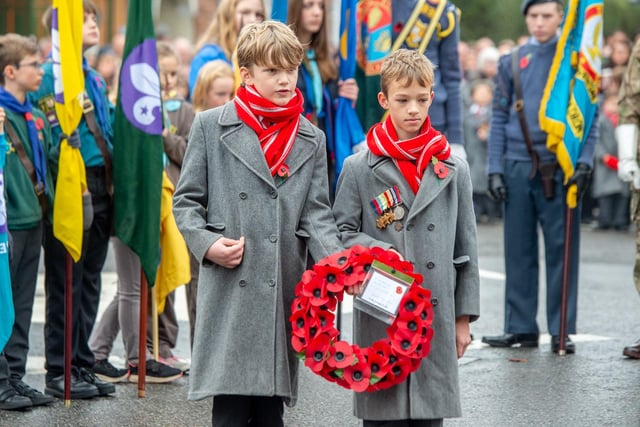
x=412, y=155
x=275, y=126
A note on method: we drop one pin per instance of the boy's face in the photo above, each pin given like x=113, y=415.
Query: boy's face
x=168, y=72
x=26, y=75
x=408, y=107
x=248, y=12
x=220, y=92
x=90, y=31
x=543, y=20
x=274, y=84
x=482, y=95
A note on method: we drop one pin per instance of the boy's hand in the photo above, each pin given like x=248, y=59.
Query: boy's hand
x=2, y=116
x=226, y=252
x=463, y=336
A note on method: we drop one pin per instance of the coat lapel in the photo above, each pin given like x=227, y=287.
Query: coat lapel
x=386, y=171
x=430, y=187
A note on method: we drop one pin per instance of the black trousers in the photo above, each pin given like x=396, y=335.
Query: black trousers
x=86, y=285
x=25, y=257
x=244, y=411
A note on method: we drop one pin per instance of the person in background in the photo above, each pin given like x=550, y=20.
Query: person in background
x=628, y=169
x=318, y=74
x=28, y=190
x=219, y=40
x=215, y=86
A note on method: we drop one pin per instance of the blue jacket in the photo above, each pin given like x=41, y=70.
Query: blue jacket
x=209, y=52
x=506, y=140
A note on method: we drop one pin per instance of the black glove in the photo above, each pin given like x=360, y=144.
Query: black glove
x=497, y=189
x=581, y=177
x=73, y=139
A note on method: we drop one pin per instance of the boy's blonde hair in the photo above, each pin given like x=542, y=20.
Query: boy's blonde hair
x=222, y=30
x=13, y=48
x=405, y=66
x=269, y=43
x=206, y=76
x=166, y=49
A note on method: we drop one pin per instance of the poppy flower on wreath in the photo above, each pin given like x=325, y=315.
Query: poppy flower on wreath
x=384, y=363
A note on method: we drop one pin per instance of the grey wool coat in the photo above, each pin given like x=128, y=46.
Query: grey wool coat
x=242, y=332
x=439, y=237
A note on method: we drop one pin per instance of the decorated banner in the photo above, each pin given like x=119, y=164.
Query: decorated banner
x=374, y=40
x=68, y=77
x=348, y=128
x=570, y=99
x=137, y=144
x=7, y=314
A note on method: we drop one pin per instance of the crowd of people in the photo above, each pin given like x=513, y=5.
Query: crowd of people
x=447, y=143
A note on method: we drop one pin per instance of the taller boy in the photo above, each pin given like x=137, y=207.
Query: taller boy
x=95, y=135
x=252, y=199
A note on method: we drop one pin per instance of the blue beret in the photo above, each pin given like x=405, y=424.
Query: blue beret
x=527, y=3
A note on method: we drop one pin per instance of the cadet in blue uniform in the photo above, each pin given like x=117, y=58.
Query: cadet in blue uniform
x=526, y=204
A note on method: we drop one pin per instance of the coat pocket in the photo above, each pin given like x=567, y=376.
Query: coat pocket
x=215, y=227
x=461, y=261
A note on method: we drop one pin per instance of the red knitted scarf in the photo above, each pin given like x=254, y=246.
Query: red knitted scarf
x=275, y=126
x=412, y=155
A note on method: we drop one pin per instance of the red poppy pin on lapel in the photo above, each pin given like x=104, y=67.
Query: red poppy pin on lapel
x=439, y=168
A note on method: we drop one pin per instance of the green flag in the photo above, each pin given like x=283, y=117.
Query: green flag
x=137, y=142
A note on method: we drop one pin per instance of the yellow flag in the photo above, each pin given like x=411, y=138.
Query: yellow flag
x=66, y=35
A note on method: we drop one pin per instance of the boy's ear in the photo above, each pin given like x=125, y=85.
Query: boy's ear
x=382, y=100
x=245, y=75
x=9, y=71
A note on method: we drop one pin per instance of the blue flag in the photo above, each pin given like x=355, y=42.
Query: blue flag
x=7, y=314
x=348, y=129
x=570, y=99
x=279, y=10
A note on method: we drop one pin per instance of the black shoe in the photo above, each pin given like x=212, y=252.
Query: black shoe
x=37, y=398
x=156, y=373
x=104, y=370
x=512, y=340
x=569, y=346
x=80, y=389
x=10, y=400
x=104, y=388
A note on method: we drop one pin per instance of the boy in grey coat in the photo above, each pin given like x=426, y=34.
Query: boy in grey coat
x=251, y=202
x=434, y=227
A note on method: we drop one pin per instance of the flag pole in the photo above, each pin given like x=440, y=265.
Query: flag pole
x=142, y=341
x=154, y=323
x=566, y=261
x=68, y=323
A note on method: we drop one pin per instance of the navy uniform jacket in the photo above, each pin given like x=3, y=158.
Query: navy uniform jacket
x=442, y=51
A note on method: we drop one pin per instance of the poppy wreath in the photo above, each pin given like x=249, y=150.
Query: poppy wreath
x=386, y=362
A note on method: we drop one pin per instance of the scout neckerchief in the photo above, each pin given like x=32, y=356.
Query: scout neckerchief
x=8, y=101
x=411, y=156
x=94, y=91
x=275, y=126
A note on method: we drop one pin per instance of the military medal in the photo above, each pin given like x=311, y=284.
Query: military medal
x=388, y=206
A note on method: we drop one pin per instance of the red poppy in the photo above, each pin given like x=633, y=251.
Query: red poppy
x=300, y=303
x=441, y=170
x=28, y=116
x=340, y=355
x=403, y=341
x=39, y=123
x=299, y=344
x=399, y=370
x=379, y=362
x=410, y=307
x=323, y=322
x=316, y=291
x=299, y=323
x=317, y=352
x=331, y=276
x=283, y=171
x=337, y=260
x=524, y=62
x=358, y=375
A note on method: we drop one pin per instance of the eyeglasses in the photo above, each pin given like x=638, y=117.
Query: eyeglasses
x=35, y=64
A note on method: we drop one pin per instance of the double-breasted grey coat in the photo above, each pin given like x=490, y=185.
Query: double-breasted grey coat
x=242, y=332
x=439, y=237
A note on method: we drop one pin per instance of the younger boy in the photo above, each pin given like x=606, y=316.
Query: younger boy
x=95, y=136
x=434, y=227
x=252, y=200
x=28, y=195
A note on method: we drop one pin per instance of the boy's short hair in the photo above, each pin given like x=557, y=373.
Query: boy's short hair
x=166, y=49
x=405, y=66
x=87, y=6
x=14, y=47
x=269, y=43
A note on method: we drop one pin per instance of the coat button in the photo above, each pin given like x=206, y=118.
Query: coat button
x=274, y=194
x=243, y=195
x=430, y=265
x=434, y=301
x=272, y=283
x=409, y=227
x=273, y=238
x=242, y=283
x=431, y=227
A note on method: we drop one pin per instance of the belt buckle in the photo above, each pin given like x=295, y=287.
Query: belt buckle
x=39, y=188
x=519, y=105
